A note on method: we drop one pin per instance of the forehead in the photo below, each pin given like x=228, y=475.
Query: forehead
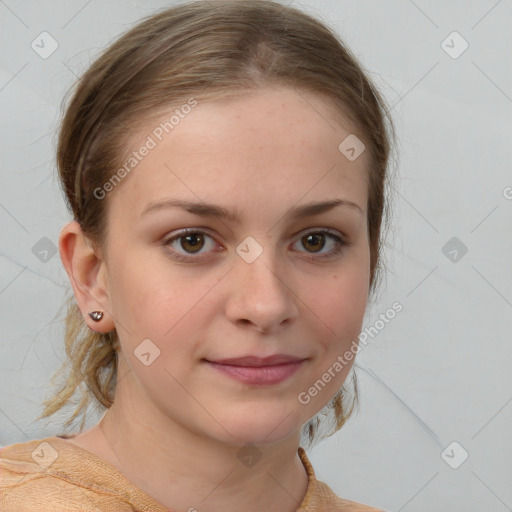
x=274, y=144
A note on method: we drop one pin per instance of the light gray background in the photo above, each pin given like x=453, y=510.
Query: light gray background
x=440, y=371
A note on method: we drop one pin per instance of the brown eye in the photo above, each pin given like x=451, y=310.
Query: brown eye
x=192, y=243
x=315, y=241
x=321, y=244
x=189, y=245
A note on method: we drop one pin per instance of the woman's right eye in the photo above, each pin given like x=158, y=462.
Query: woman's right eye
x=189, y=240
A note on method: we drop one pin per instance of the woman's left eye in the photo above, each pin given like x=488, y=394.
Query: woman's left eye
x=319, y=239
x=193, y=241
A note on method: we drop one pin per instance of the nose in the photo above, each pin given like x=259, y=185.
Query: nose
x=260, y=295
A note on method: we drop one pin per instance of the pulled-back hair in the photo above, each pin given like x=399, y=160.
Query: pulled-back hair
x=205, y=50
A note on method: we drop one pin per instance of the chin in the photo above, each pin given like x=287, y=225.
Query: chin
x=259, y=427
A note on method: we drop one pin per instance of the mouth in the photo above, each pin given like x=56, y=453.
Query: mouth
x=261, y=371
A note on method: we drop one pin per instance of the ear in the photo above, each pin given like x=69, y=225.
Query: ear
x=87, y=274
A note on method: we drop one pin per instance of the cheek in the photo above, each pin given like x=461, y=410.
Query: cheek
x=347, y=312
x=141, y=297
x=151, y=299
x=340, y=304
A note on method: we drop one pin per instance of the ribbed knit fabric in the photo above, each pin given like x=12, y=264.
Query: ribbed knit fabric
x=54, y=475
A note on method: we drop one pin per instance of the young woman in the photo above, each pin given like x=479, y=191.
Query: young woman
x=225, y=165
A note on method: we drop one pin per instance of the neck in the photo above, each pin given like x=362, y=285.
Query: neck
x=184, y=470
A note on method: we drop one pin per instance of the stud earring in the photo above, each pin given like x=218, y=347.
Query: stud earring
x=96, y=315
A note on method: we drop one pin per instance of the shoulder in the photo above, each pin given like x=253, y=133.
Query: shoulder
x=320, y=497
x=335, y=503
x=33, y=478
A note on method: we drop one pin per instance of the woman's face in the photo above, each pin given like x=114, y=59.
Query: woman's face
x=253, y=277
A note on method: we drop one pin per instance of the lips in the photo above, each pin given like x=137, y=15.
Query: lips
x=259, y=371
x=257, y=362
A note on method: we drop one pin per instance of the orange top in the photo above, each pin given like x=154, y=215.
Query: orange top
x=54, y=475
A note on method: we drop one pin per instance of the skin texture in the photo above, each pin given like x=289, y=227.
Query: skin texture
x=177, y=425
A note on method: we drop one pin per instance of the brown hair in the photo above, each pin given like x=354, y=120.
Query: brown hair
x=205, y=50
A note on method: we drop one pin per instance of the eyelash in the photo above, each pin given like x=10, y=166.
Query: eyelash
x=340, y=242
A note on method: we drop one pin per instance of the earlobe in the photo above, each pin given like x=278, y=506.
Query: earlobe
x=85, y=270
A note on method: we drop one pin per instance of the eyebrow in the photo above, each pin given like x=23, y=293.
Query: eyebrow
x=212, y=210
